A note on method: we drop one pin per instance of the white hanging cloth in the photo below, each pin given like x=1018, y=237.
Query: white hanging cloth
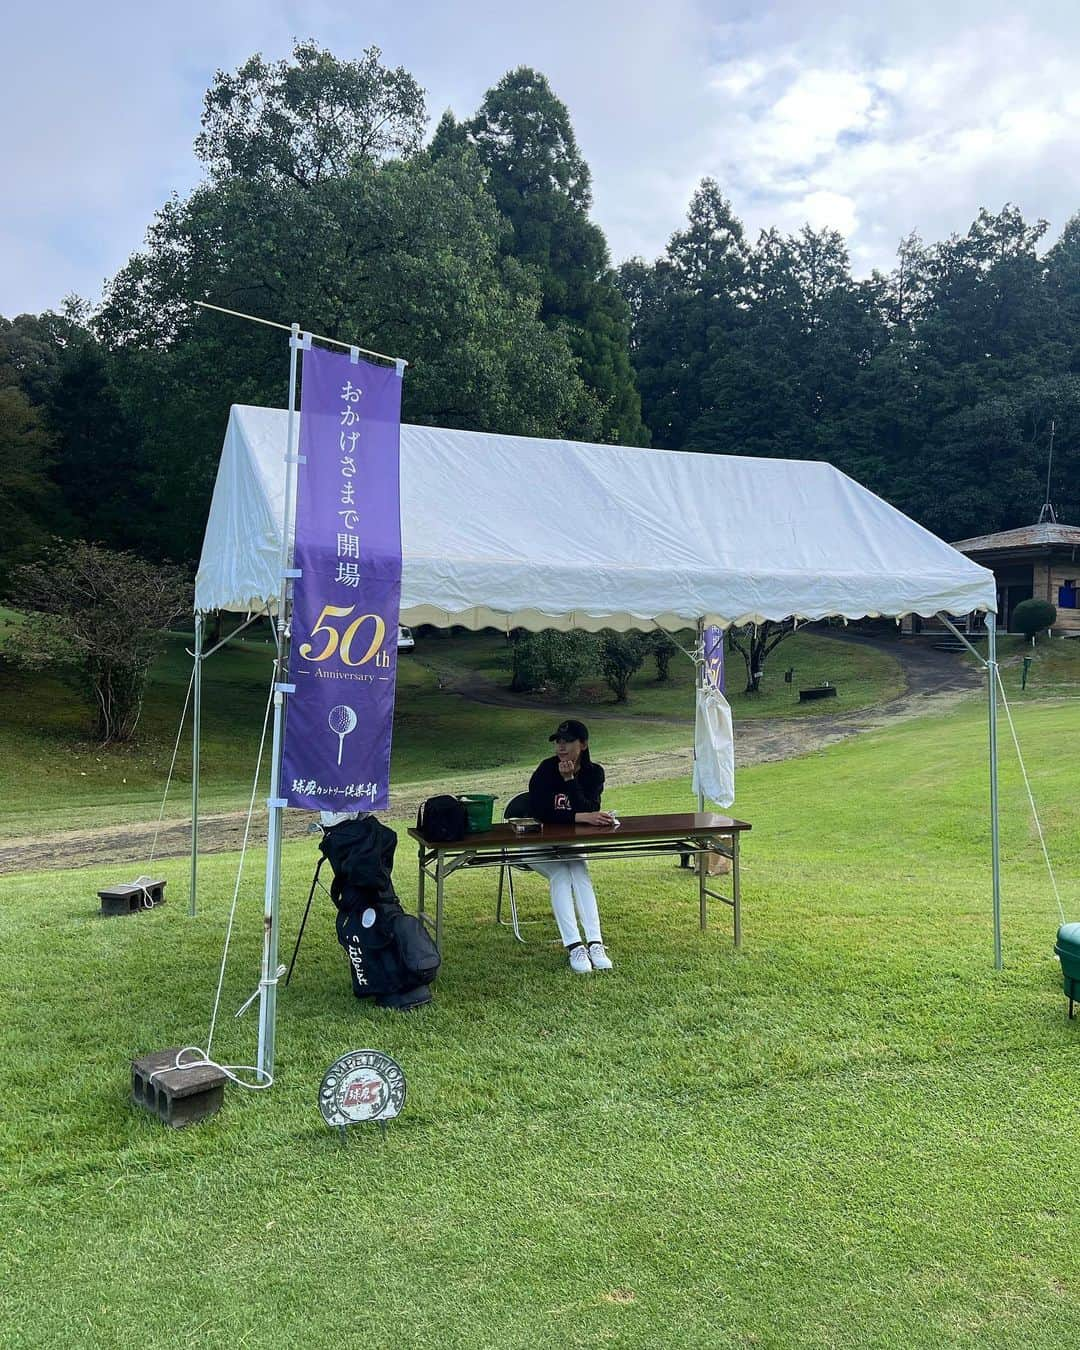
x=714, y=747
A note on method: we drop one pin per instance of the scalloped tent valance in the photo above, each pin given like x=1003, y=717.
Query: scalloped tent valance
x=512, y=531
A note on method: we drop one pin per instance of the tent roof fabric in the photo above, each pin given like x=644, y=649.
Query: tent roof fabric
x=509, y=531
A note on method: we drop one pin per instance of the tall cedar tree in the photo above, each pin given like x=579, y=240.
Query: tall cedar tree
x=523, y=136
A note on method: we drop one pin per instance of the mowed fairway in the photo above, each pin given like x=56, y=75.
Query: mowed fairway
x=853, y=1133
x=51, y=777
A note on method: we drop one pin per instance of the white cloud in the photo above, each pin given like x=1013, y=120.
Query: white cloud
x=876, y=136
x=912, y=115
x=737, y=77
x=823, y=210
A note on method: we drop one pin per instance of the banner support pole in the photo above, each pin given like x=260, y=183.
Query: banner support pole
x=699, y=681
x=995, y=836
x=276, y=804
x=196, y=737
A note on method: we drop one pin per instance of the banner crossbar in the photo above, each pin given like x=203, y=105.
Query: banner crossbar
x=319, y=337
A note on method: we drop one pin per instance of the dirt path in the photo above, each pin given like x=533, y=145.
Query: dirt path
x=935, y=681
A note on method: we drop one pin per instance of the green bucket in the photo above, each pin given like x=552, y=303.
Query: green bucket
x=479, y=808
x=1067, y=947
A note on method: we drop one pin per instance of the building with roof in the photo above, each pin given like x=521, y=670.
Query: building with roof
x=1040, y=562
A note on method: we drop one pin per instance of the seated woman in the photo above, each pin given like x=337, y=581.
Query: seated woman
x=564, y=790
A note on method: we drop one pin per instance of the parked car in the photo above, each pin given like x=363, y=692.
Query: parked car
x=404, y=638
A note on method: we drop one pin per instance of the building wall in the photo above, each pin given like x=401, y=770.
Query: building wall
x=1048, y=579
x=1045, y=576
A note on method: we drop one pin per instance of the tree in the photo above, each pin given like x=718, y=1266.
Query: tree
x=551, y=659
x=27, y=497
x=526, y=140
x=402, y=256
x=523, y=137
x=32, y=348
x=96, y=617
x=663, y=649
x=621, y=655
x=315, y=118
x=754, y=642
x=99, y=479
x=688, y=309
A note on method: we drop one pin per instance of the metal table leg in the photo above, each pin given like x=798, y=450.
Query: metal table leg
x=702, y=865
x=439, y=886
x=735, y=894
x=513, y=907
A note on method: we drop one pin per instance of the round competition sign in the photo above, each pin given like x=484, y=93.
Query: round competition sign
x=360, y=1086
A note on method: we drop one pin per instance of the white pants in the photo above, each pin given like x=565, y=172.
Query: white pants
x=570, y=885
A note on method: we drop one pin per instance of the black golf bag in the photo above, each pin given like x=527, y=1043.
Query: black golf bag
x=391, y=955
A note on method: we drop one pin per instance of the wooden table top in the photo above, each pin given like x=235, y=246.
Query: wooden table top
x=629, y=827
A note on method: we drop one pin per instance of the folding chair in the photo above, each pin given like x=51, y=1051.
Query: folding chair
x=516, y=806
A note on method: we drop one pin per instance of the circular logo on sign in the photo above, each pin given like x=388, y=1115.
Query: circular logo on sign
x=362, y=1085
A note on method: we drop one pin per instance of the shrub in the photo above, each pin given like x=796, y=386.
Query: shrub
x=552, y=660
x=1032, y=616
x=621, y=655
x=97, y=618
x=526, y=663
x=663, y=649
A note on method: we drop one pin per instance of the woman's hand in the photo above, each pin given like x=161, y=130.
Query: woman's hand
x=567, y=767
x=594, y=818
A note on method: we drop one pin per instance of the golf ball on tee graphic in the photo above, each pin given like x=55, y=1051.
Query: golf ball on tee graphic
x=341, y=721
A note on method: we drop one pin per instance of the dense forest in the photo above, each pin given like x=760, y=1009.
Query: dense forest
x=471, y=251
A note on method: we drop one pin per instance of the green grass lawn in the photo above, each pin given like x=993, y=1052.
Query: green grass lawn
x=864, y=675
x=1054, y=670
x=51, y=777
x=853, y=1133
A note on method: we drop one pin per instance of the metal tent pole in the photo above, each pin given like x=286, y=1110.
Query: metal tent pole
x=276, y=804
x=995, y=840
x=195, y=747
x=991, y=667
x=699, y=680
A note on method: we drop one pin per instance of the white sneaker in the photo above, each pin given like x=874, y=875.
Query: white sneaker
x=599, y=957
x=579, y=961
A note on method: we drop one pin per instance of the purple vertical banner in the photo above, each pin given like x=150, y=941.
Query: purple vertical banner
x=714, y=658
x=343, y=654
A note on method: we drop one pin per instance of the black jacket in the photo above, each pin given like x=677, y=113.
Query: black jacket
x=556, y=800
x=361, y=853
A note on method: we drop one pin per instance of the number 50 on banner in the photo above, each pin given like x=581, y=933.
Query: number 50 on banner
x=341, y=641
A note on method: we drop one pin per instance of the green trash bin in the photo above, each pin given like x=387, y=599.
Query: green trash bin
x=1067, y=947
x=479, y=809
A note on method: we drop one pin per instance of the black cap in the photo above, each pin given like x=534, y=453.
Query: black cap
x=570, y=730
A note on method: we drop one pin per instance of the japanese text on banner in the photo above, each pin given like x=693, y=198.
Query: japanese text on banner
x=343, y=657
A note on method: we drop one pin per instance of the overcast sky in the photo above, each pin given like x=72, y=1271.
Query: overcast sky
x=876, y=120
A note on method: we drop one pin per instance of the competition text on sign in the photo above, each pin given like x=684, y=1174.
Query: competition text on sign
x=343, y=656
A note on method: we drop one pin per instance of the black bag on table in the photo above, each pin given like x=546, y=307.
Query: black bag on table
x=442, y=819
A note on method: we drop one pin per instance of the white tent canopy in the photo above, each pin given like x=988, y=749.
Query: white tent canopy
x=509, y=531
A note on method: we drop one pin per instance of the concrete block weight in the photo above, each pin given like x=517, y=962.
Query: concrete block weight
x=177, y=1097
